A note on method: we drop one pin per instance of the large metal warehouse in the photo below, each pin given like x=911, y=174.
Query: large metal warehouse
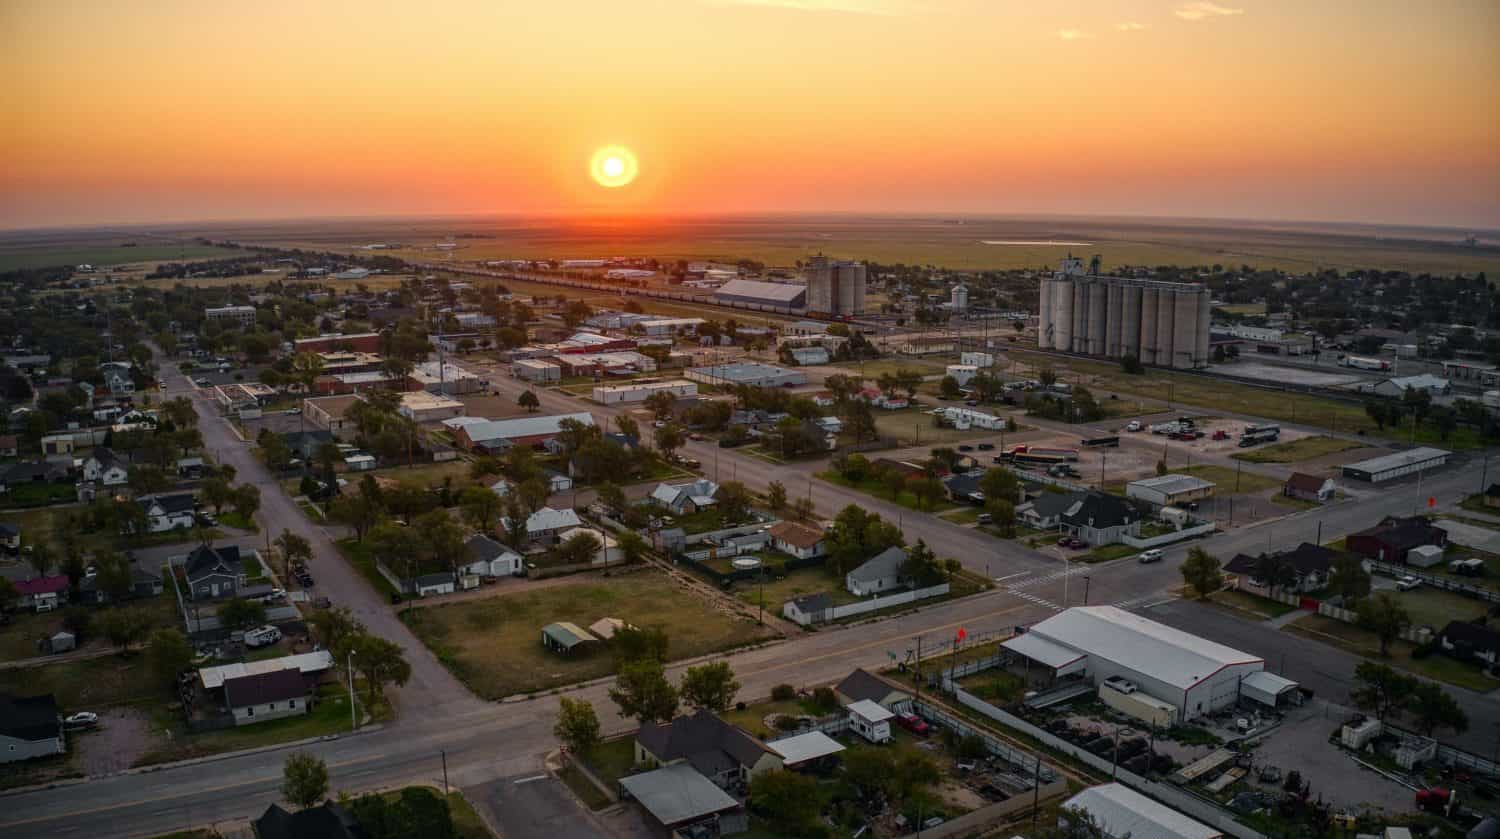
x=785, y=295
x=1195, y=675
x=1121, y=811
x=1397, y=465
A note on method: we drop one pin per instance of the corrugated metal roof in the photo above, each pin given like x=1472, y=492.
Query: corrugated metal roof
x=522, y=426
x=677, y=793
x=1145, y=646
x=316, y=662
x=781, y=293
x=1122, y=811
x=1387, y=462
x=809, y=746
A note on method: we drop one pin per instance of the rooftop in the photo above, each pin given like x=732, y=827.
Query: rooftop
x=1410, y=457
x=1169, y=655
x=314, y=662
x=487, y=429
x=676, y=794
x=1121, y=811
x=1172, y=484
x=804, y=747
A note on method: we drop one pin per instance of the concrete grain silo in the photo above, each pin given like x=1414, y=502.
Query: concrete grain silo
x=1098, y=316
x=1205, y=314
x=1185, y=332
x=1130, y=321
x=1148, y=325
x=1113, y=319
x=1062, y=315
x=1166, y=309
x=1080, y=317
x=1044, y=315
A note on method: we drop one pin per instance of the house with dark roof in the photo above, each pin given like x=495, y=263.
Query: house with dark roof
x=268, y=696
x=214, y=573
x=963, y=487
x=173, y=511
x=1305, y=487
x=879, y=574
x=864, y=686
x=1045, y=511
x=30, y=726
x=1099, y=518
x=807, y=609
x=489, y=558
x=1465, y=640
x=106, y=468
x=325, y=821
x=10, y=537
x=31, y=472
x=1395, y=536
x=1492, y=495
x=144, y=582
x=1307, y=565
x=725, y=754
x=305, y=444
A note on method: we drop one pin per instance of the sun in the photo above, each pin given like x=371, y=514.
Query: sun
x=613, y=166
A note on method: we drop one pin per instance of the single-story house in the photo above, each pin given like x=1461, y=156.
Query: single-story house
x=807, y=609
x=725, y=754
x=10, y=537
x=564, y=637
x=214, y=573
x=799, y=540
x=609, y=552
x=1045, y=511
x=143, y=583
x=1310, y=565
x=1099, y=518
x=683, y=499
x=305, y=444
x=267, y=696
x=556, y=481
x=325, y=821
x=106, y=468
x=31, y=472
x=38, y=590
x=30, y=726
x=546, y=524
x=879, y=574
x=489, y=558
x=174, y=511
x=862, y=685
x=429, y=585
x=190, y=468
x=1308, y=487
x=1465, y=639
x=963, y=488
x=1390, y=540
x=679, y=801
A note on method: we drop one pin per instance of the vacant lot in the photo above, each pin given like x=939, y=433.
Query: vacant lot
x=1231, y=481
x=87, y=685
x=494, y=644
x=1435, y=608
x=1294, y=451
x=793, y=585
x=18, y=639
x=871, y=486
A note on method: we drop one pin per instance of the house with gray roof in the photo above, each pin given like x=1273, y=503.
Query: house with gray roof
x=878, y=575
x=214, y=573
x=683, y=499
x=725, y=754
x=807, y=609
x=862, y=685
x=489, y=558
x=679, y=801
x=1045, y=511
x=1099, y=518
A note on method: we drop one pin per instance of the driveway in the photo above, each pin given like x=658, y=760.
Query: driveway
x=534, y=806
x=123, y=736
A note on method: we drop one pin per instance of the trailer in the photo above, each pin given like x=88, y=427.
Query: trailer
x=1065, y=454
x=1112, y=442
x=1361, y=363
x=1256, y=438
x=1034, y=459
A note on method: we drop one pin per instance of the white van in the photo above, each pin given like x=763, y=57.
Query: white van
x=263, y=637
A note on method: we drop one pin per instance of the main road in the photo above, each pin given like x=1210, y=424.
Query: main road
x=483, y=741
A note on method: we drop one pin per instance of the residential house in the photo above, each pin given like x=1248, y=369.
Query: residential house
x=143, y=583
x=214, y=573
x=798, y=540
x=39, y=592
x=878, y=575
x=30, y=726
x=807, y=609
x=174, y=511
x=430, y=585
x=325, y=821
x=119, y=383
x=963, y=488
x=1394, y=537
x=268, y=696
x=862, y=685
x=1099, y=518
x=30, y=472
x=756, y=420
x=488, y=558
x=495, y=436
x=829, y=425
x=1309, y=566
x=1307, y=487
x=106, y=468
x=556, y=481
x=725, y=754
x=10, y=445
x=886, y=401
x=545, y=524
x=685, y=499
x=331, y=413
x=10, y=537
x=1046, y=510
x=1492, y=495
x=1466, y=639
x=190, y=468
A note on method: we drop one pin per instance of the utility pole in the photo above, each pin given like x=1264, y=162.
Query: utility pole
x=353, y=720
x=1086, y=579
x=444, y=754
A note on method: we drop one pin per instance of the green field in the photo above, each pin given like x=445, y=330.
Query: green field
x=1293, y=451
x=148, y=252
x=1229, y=481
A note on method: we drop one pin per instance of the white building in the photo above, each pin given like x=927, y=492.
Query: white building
x=870, y=721
x=1169, y=490
x=1194, y=674
x=421, y=406
x=962, y=373
x=958, y=298
x=670, y=326
x=446, y=377
x=1121, y=811
x=966, y=418
x=977, y=359
x=242, y=315
x=535, y=370
x=641, y=391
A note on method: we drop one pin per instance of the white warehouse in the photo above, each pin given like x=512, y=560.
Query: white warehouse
x=1195, y=675
x=641, y=391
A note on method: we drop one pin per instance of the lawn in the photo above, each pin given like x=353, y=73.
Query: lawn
x=874, y=369
x=584, y=789
x=238, y=520
x=916, y=427
x=358, y=555
x=1349, y=637
x=40, y=494
x=870, y=486
x=1475, y=503
x=612, y=760
x=964, y=515
x=1246, y=602
x=791, y=585
x=429, y=474
x=1293, y=451
x=1105, y=553
x=996, y=686
x=1230, y=481
x=90, y=684
x=1435, y=607
x=466, y=821
x=494, y=645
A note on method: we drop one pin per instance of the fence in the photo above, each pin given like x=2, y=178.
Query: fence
x=1202, y=809
x=836, y=612
x=1168, y=538
x=1445, y=583
x=972, y=823
x=729, y=532
x=773, y=568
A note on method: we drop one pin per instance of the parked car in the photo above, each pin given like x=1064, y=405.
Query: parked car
x=1133, y=425
x=913, y=723
x=966, y=448
x=82, y=719
x=984, y=447
x=1064, y=541
x=971, y=402
x=1077, y=544
x=1152, y=555
x=1407, y=583
x=984, y=518
x=695, y=436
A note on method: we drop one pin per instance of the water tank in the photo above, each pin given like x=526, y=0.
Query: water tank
x=1148, y=325
x=1130, y=321
x=1098, y=316
x=1112, y=319
x=1166, y=307
x=1185, y=337
x=745, y=563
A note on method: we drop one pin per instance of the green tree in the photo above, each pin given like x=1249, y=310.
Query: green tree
x=633, y=643
x=580, y=549
x=293, y=547
x=577, y=725
x=529, y=401
x=790, y=801
x=633, y=546
x=1382, y=614
x=948, y=388
x=803, y=509
x=999, y=483
x=217, y=492
x=168, y=655
x=124, y=627
x=379, y=661
x=1435, y=708
x=304, y=780
x=1380, y=689
x=776, y=496
x=481, y=507
x=921, y=566
x=112, y=575
x=642, y=691
x=334, y=627
x=8, y=593
x=242, y=614
x=710, y=686
x=1348, y=579
x=1047, y=376
x=1201, y=571
x=670, y=438
x=1002, y=514
x=1376, y=411
x=1130, y=364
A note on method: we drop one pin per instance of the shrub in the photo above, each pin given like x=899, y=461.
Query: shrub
x=786, y=722
x=825, y=699
x=783, y=693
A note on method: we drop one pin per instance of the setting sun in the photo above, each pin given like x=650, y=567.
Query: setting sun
x=613, y=166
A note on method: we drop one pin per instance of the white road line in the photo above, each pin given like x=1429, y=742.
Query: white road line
x=520, y=781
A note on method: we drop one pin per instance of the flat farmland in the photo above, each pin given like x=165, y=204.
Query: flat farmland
x=100, y=249
x=494, y=644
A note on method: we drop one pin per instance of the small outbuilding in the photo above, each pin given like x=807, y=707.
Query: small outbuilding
x=813, y=750
x=678, y=797
x=1267, y=688
x=564, y=637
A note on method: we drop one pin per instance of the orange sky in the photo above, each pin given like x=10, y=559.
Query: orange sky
x=1369, y=110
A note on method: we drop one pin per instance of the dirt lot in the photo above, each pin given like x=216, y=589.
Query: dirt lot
x=123, y=736
x=492, y=407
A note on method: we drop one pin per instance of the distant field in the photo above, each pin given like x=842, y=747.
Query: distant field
x=1293, y=451
x=106, y=255
x=1245, y=308
x=957, y=242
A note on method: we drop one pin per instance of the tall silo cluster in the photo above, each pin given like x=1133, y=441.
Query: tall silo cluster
x=1162, y=324
x=835, y=287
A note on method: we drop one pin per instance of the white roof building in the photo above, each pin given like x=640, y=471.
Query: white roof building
x=1121, y=811
x=213, y=678
x=1191, y=673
